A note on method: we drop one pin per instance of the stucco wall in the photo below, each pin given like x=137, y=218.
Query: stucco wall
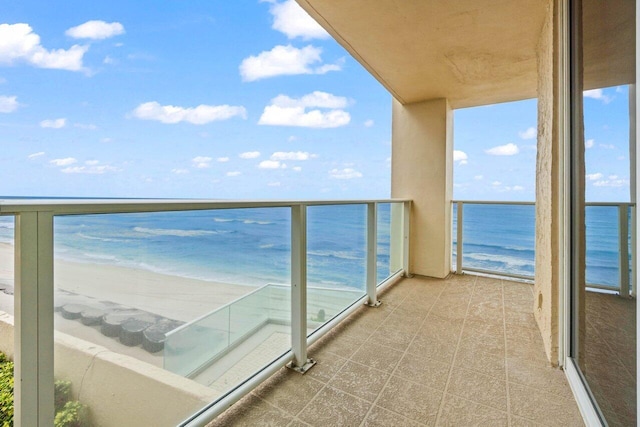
x=548, y=188
x=119, y=390
x=422, y=170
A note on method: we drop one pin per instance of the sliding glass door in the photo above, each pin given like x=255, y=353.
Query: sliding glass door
x=602, y=204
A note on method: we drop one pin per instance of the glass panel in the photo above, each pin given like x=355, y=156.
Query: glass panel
x=180, y=303
x=603, y=334
x=396, y=237
x=7, y=227
x=454, y=237
x=383, y=247
x=192, y=347
x=336, y=258
x=602, y=246
x=632, y=250
x=7, y=254
x=499, y=238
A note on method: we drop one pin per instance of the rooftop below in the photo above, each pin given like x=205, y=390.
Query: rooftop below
x=461, y=351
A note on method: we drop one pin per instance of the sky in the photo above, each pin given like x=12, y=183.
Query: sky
x=495, y=149
x=234, y=100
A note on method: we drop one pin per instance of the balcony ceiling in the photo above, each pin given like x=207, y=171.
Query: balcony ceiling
x=473, y=52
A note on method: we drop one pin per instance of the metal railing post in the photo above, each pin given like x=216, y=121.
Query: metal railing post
x=33, y=316
x=300, y=362
x=406, y=231
x=372, y=255
x=623, y=248
x=459, y=236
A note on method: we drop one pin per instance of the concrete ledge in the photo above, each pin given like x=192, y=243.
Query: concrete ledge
x=119, y=389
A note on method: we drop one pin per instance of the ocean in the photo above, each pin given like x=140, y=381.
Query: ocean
x=252, y=246
x=238, y=246
x=502, y=238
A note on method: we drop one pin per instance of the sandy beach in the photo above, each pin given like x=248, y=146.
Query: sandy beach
x=174, y=297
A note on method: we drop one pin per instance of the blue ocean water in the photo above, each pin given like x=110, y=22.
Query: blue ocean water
x=252, y=246
x=502, y=238
x=240, y=246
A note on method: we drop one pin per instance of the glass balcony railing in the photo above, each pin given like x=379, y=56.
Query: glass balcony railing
x=193, y=303
x=499, y=238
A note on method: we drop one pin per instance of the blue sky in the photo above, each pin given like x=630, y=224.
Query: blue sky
x=496, y=149
x=240, y=99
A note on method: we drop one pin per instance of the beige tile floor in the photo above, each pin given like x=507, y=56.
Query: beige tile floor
x=610, y=362
x=457, y=352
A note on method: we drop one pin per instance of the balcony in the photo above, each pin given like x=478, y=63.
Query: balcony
x=456, y=351
x=460, y=351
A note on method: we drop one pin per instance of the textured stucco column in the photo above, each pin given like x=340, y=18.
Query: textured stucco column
x=422, y=170
x=549, y=187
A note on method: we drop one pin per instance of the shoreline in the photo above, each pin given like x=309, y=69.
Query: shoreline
x=173, y=297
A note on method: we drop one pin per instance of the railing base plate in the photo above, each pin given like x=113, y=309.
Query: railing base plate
x=310, y=363
x=374, y=304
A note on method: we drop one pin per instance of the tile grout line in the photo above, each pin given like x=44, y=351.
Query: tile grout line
x=608, y=345
x=506, y=352
x=325, y=385
x=455, y=353
x=404, y=353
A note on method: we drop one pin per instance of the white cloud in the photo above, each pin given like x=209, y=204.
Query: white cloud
x=530, y=133
x=613, y=181
x=607, y=146
x=589, y=143
x=274, y=184
x=92, y=169
x=517, y=188
x=368, y=123
x=250, y=155
x=285, y=60
x=314, y=99
x=8, y=104
x=460, y=156
x=286, y=111
x=292, y=155
x=478, y=177
x=222, y=159
x=91, y=162
x=199, y=115
x=509, y=149
x=596, y=94
x=496, y=183
x=271, y=164
x=201, y=162
x=297, y=168
x=293, y=21
x=53, y=124
x=346, y=173
x=594, y=176
x=180, y=171
x=34, y=155
x=95, y=30
x=234, y=173
x=63, y=162
x=18, y=43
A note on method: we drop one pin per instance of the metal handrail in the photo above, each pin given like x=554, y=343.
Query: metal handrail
x=34, y=331
x=111, y=206
x=624, y=287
